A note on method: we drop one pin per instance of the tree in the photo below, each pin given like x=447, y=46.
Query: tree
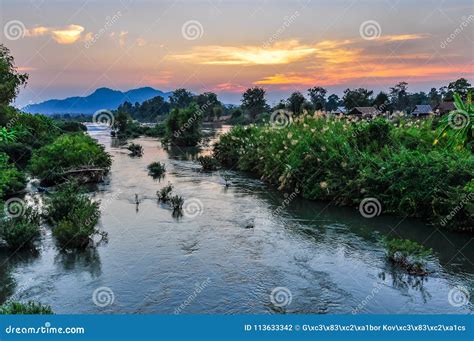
x=208, y=105
x=184, y=126
x=333, y=102
x=121, y=121
x=181, y=98
x=357, y=98
x=460, y=86
x=253, y=102
x=295, y=103
x=382, y=102
x=10, y=79
x=399, y=96
x=434, y=97
x=318, y=97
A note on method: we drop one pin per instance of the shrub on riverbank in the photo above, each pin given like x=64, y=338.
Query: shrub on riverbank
x=184, y=126
x=345, y=161
x=408, y=254
x=29, y=308
x=135, y=149
x=156, y=169
x=52, y=162
x=208, y=163
x=11, y=179
x=74, y=216
x=20, y=232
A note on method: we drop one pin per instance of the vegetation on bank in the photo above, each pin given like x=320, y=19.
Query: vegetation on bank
x=156, y=169
x=408, y=254
x=346, y=160
x=73, y=215
x=28, y=308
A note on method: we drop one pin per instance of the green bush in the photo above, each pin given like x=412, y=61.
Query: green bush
x=408, y=254
x=18, y=153
x=68, y=152
x=73, y=214
x=208, y=163
x=135, y=149
x=11, y=179
x=184, y=126
x=21, y=232
x=29, y=308
x=177, y=203
x=164, y=193
x=344, y=161
x=156, y=169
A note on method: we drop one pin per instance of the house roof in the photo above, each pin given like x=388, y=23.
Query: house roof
x=446, y=106
x=422, y=109
x=365, y=111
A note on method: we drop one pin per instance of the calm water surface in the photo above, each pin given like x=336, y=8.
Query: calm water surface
x=329, y=258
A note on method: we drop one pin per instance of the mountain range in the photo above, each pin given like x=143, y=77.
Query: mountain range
x=102, y=98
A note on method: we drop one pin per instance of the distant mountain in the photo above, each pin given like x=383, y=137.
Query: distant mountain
x=102, y=98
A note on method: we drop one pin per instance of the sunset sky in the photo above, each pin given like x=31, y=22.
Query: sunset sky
x=70, y=48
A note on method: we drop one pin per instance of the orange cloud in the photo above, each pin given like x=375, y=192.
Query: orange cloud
x=66, y=35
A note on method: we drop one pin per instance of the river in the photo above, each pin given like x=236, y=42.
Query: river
x=316, y=258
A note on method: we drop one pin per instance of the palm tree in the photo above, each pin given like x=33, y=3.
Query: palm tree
x=457, y=125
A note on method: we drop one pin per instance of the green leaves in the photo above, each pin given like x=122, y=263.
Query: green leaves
x=6, y=135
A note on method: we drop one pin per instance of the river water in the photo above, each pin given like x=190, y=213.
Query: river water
x=313, y=257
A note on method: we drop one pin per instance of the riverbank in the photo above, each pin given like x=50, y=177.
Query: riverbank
x=394, y=166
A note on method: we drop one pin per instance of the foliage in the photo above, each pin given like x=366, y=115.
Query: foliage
x=208, y=163
x=164, y=193
x=149, y=111
x=317, y=95
x=71, y=126
x=177, y=203
x=254, y=102
x=156, y=169
x=184, y=126
x=6, y=135
x=457, y=127
x=10, y=79
x=73, y=214
x=357, y=98
x=344, y=161
x=18, y=153
x=21, y=232
x=135, y=149
x=181, y=98
x=296, y=103
x=68, y=152
x=408, y=254
x=28, y=308
x=11, y=179
x=34, y=131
